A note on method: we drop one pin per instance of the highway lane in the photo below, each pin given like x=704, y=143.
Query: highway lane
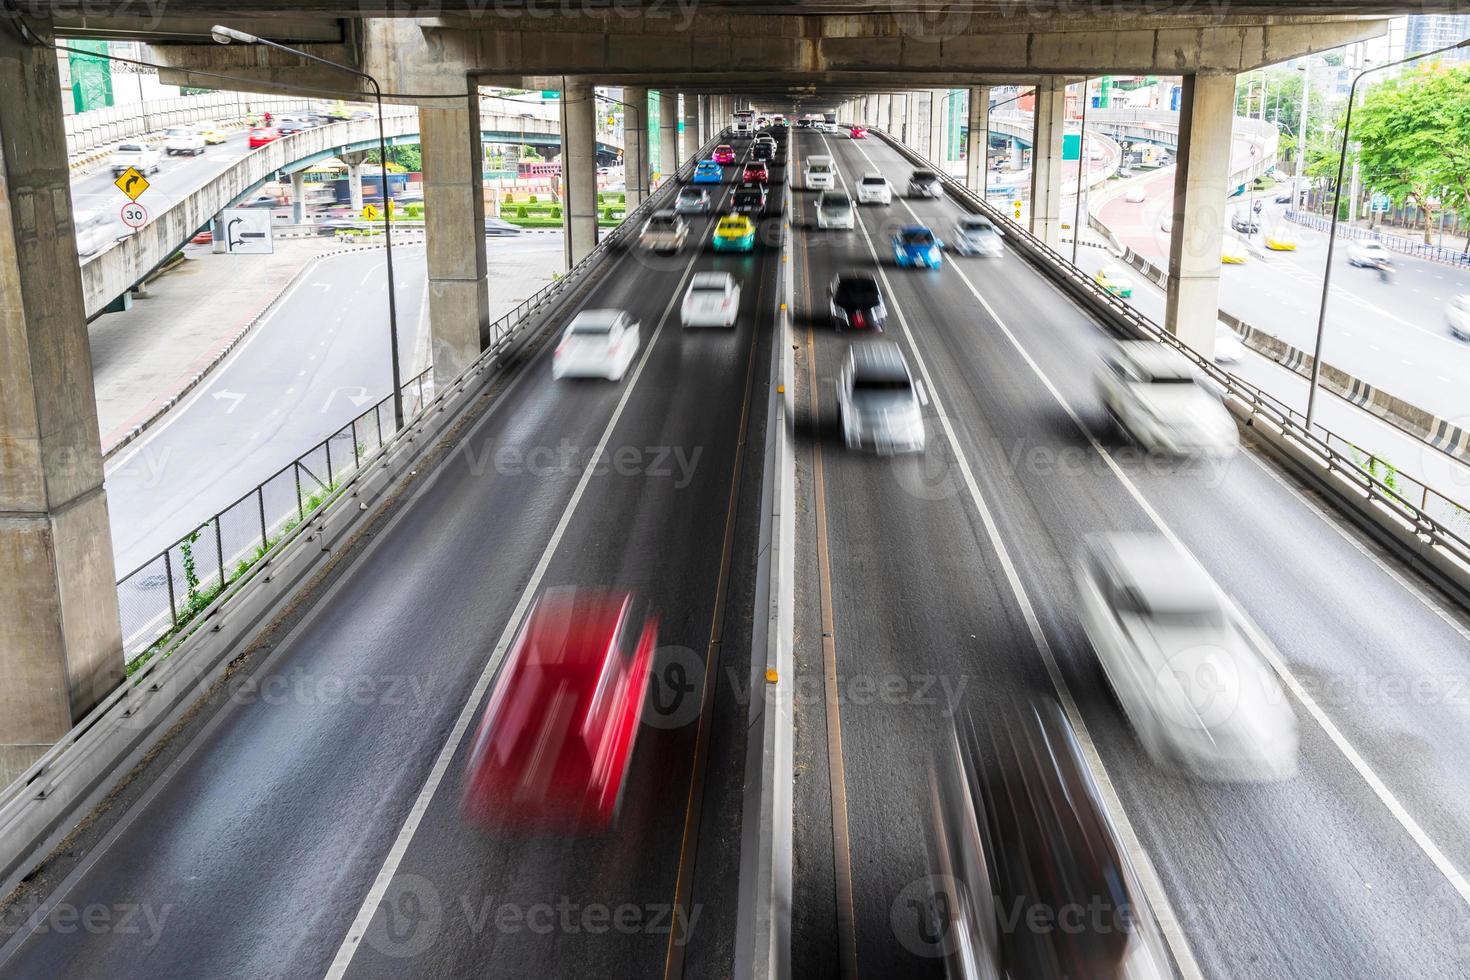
x=261, y=848
x=1317, y=877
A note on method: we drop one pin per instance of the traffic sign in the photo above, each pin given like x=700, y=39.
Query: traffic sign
x=370, y=212
x=134, y=215
x=247, y=231
x=132, y=183
x=1382, y=203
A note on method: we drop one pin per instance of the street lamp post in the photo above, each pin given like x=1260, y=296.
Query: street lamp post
x=1081, y=175
x=1301, y=136
x=228, y=35
x=1336, y=203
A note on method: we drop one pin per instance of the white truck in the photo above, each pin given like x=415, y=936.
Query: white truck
x=139, y=155
x=180, y=140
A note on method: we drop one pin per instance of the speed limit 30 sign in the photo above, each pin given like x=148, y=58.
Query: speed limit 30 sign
x=134, y=215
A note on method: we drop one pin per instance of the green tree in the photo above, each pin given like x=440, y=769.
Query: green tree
x=1413, y=136
x=409, y=157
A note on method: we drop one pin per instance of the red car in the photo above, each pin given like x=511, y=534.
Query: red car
x=724, y=153
x=261, y=135
x=755, y=172
x=858, y=133
x=553, y=748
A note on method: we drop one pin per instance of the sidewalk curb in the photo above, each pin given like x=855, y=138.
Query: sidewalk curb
x=223, y=352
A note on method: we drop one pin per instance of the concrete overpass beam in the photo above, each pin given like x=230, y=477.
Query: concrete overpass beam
x=1046, y=160
x=454, y=218
x=977, y=142
x=60, y=636
x=579, y=168
x=689, y=138
x=668, y=133
x=635, y=145
x=1202, y=180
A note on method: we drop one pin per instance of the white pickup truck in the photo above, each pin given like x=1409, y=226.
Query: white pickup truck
x=139, y=155
x=182, y=139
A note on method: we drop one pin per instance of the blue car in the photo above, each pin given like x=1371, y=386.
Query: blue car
x=915, y=247
x=708, y=172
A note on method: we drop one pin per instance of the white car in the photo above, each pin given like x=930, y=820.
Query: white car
x=1370, y=254
x=880, y=403
x=1136, y=195
x=712, y=300
x=182, y=140
x=1186, y=666
x=1228, y=346
x=94, y=230
x=132, y=154
x=1153, y=395
x=924, y=183
x=1458, y=316
x=874, y=188
x=819, y=174
x=596, y=344
x=835, y=210
x=974, y=234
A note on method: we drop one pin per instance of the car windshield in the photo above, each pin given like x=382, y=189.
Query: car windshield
x=924, y=176
x=130, y=148
x=977, y=226
x=836, y=203
x=871, y=384
x=921, y=237
x=732, y=224
x=178, y=132
x=857, y=292
x=874, y=181
x=690, y=194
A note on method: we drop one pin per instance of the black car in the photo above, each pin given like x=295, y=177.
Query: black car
x=749, y=199
x=1245, y=225
x=857, y=302
x=762, y=151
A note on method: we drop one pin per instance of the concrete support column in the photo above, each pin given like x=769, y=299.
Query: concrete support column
x=298, y=197
x=689, y=139
x=1206, y=114
x=977, y=142
x=704, y=120
x=579, y=168
x=1017, y=155
x=354, y=163
x=909, y=119
x=635, y=145
x=1046, y=160
x=60, y=637
x=884, y=119
x=454, y=224
x=668, y=133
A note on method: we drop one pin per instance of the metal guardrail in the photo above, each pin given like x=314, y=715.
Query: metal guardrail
x=169, y=591
x=98, y=127
x=1397, y=243
x=1426, y=510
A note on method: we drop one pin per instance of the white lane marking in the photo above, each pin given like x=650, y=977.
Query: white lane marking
x=1380, y=789
x=1153, y=885
x=369, y=908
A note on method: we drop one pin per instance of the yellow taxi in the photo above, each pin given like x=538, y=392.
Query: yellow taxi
x=1112, y=279
x=211, y=135
x=1232, y=252
x=734, y=233
x=1280, y=240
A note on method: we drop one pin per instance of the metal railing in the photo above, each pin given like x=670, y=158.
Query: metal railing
x=191, y=576
x=1434, y=517
x=1397, y=243
x=99, y=127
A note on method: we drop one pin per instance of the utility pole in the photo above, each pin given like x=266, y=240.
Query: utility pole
x=1301, y=135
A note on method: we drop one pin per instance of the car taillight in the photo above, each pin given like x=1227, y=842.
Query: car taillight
x=857, y=319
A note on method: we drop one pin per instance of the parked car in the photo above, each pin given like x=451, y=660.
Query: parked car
x=974, y=234
x=878, y=400
x=835, y=210
x=924, y=183
x=141, y=156
x=182, y=140
x=596, y=344
x=1458, y=316
x=1151, y=392
x=692, y=200
x=712, y=300
x=664, y=231
x=554, y=747
x=857, y=302
x=874, y=188
x=1187, y=668
x=261, y=135
x=915, y=246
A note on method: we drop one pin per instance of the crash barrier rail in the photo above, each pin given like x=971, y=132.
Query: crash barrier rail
x=38, y=808
x=98, y=127
x=1439, y=434
x=1427, y=515
x=1397, y=243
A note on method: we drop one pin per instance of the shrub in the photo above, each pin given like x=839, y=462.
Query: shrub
x=555, y=211
x=521, y=211
x=531, y=199
x=509, y=198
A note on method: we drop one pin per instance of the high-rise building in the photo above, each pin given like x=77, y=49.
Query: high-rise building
x=1430, y=31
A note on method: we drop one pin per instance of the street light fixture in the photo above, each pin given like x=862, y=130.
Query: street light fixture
x=228, y=35
x=1337, y=203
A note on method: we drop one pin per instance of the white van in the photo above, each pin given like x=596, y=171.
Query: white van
x=94, y=231
x=819, y=175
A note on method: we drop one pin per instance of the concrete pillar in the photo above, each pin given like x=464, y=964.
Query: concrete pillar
x=911, y=102
x=704, y=120
x=1200, y=184
x=884, y=118
x=977, y=142
x=60, y=636
x=298, y=197
x=668, y=133
x=354, y=163
x=635, y=145
x=454, y=220
x=1046, y=160
x=689, y=139
x=1017, y=155
x=579, y=168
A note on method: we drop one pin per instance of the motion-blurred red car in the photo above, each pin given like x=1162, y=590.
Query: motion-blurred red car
x=261, y=135
x=553, y=748
x=724, y=153
x=755, y=172
x=858, y=133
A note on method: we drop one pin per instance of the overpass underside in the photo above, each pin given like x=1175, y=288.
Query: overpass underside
x=888, y=66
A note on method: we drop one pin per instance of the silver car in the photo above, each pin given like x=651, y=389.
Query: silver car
x=975, y=235
x=1458, y=316
x=692, y=200
x=924, y=183
x=835, y=210
x=880, y=402
x=1153, y=395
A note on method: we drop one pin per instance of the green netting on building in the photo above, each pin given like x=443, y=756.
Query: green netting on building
x=91, y=76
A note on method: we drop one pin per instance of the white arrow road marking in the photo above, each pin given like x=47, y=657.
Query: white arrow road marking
x=355, y=393
x=233, y=397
